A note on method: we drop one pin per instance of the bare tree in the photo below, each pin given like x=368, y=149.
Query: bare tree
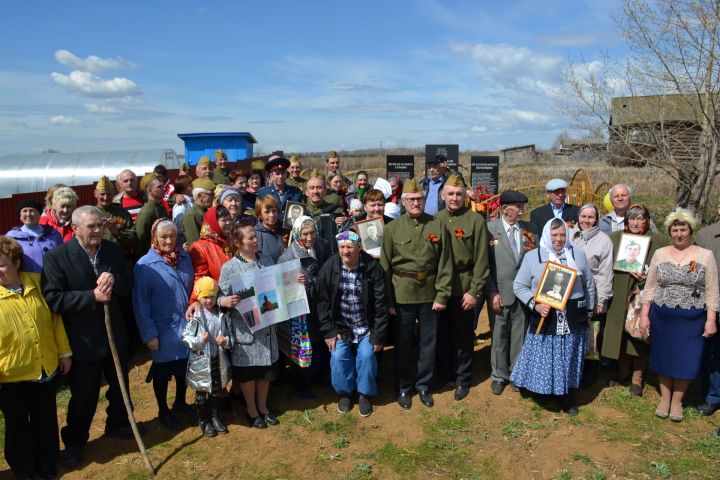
x=663, y=98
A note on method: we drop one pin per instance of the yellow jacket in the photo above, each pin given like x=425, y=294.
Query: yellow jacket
x=31, y=336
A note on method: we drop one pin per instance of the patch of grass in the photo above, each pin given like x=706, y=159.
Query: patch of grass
x=564, y=475
x=331, y=457
x=363, y=469
x=433, y=456
x=595, y=475
x=634, y=407
x=514, y=429
x=661, y=469
x=341, y=442
x=137, y=475
x=581, y=457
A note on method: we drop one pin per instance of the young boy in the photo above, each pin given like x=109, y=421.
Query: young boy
x=208, y=366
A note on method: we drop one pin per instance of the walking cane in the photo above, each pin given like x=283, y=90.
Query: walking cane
x=123, y=389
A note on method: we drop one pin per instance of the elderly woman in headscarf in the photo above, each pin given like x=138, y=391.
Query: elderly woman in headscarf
x=59, y=216
x=598, y=250
x=551, y=359
x=210, y=253
x=617, y=344
x=163, y=281
x=231, y=198
x=300, y=339
x=360, y=186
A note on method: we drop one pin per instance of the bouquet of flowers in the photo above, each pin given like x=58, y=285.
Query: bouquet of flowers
x=485, y=202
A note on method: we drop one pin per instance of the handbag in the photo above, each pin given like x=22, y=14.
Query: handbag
x=632, y=319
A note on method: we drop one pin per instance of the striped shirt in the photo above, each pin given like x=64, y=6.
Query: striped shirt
x=352, y=310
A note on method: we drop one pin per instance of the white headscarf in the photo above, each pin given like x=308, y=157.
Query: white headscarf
x=566, y=253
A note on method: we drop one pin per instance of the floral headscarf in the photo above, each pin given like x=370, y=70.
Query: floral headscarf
x=170, y=258
x=298, y=224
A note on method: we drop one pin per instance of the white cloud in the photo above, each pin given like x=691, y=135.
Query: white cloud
x=92, y=63
x=101, y=109
x=505, y=60
x=60, y=120
x=530, y=117
x=477, y=129
x=92, y=86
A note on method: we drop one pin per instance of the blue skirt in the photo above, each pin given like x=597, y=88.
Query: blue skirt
x=677, y=344
x=550, y=364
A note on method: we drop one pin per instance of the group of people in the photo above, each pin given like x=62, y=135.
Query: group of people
x=163, y=257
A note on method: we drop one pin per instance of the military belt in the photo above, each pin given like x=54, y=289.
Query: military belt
x=421, y=276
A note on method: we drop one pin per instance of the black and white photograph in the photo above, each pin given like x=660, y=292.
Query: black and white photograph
x=293, y=211
x=555, y=285
x=370, y=232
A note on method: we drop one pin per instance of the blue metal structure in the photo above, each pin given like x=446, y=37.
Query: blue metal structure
x=236, y=145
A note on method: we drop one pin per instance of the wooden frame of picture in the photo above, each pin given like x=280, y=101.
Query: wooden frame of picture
x=555, y=285
x=370, y=245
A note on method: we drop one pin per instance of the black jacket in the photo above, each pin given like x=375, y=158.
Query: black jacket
x=68, y=281
x=373, y=298
x=540, y=216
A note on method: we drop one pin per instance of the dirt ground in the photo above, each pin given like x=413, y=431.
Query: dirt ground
x=482, y=436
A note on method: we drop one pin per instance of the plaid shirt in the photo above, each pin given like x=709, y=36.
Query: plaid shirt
x=352, y=310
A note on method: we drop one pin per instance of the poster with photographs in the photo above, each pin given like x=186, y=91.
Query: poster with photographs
x=555, y=285
x=632, y=253
x=370, y=233
x=293, y=211
x=401, y=165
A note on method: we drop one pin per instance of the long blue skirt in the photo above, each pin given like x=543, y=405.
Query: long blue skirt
x=550, y=364
x=677, y=344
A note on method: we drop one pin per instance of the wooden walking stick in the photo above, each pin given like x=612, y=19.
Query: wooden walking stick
x=540, y=325
x=124, y=390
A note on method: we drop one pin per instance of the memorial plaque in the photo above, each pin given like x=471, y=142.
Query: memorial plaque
x=401, y=165
x=451, y=152
x=485, y=170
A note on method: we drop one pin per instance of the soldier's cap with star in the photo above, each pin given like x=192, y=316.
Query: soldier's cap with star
x=147, y=178
x=315, y=172
x=204, y=183
x=455, y=180
x=332, y=154
x=512, y=196
x=257, y=165
x=204, y=160
x=104, y=185
x=220, y=154
x=412, y=186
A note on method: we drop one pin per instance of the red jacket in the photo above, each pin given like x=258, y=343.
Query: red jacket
x=207, y=258
x=65, y=231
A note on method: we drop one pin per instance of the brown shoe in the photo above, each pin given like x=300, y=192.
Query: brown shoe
x=636, y=390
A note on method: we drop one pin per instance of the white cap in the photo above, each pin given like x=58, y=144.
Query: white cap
x=555, y=184
x=384, y=186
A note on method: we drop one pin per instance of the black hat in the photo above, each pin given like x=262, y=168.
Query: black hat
x=29, y=203
x=277, y=163
x=439, y=158
x=512, y=196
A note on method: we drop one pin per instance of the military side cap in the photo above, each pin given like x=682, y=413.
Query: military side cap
x=220, y=154
x=257, y=165
x=412, y=186
x=314, y=172
x=104, y=185
x=332, y=154
x=204, y=183
x=512, y=196
x=147, y=178
x=294, y=159
x=277, y=163
x=455, y=180
x=204, y=160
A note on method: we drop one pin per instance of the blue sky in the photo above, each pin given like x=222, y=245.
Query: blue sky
x=301, y=76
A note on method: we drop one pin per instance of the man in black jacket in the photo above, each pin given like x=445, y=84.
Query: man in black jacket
x=78, y=278
x=556, y=193
x=353, y=320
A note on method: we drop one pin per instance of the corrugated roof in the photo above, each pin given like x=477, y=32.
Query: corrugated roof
x=183, y=136
x=655, y=109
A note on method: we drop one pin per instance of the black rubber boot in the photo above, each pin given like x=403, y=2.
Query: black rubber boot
x=215, y=415
x=206, y=424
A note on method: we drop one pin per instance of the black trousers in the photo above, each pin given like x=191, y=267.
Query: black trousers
x=84, y=380
x=404, y=332
x=31, y=429
x=162, y=372
x=455, y=343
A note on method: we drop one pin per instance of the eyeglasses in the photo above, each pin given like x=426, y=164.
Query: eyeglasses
x=414, y=200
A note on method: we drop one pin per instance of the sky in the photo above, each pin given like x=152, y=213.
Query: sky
x=314, y=76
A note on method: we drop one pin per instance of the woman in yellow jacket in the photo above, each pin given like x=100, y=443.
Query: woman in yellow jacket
x=34, y=349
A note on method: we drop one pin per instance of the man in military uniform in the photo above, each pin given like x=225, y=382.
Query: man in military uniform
x=332, y=163
x=294, y=170
x=469, y=241
x=118, y=226
x=630, y=263
x=221, y=174
x=203, y=193
x=151, y=211
x=418, y=266
x=277, y=186
x=316, y=205
x=203, y=169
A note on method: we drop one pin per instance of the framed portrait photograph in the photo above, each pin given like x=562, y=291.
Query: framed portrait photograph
x=555, y=285
x=632, y=252
x=370, y=233
x=293, y=210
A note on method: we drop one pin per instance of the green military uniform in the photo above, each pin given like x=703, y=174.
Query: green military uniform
x=192, y=222
x=150, y=212
x=420, y=245
x=125, y=236
x=220, y=177
x=297, y=182
x=628, y=267
x=334, y=198
x=469, y=240
x=455, y=343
